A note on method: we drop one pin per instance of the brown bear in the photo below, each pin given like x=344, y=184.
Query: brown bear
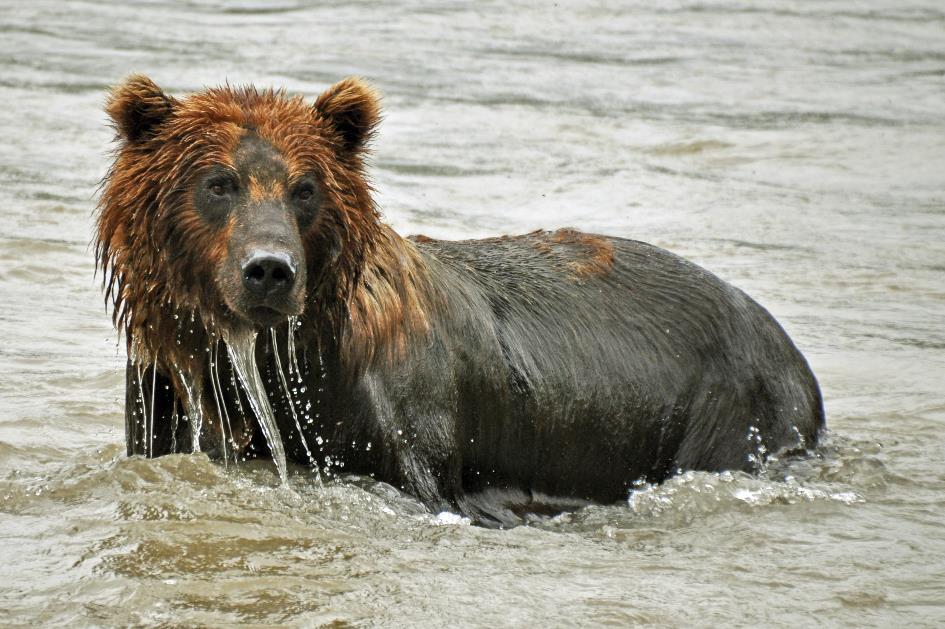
x=498, y=377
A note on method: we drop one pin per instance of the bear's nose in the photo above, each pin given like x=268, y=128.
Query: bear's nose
x=267, y=274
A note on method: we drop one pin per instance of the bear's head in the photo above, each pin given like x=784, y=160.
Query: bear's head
x=234, y=206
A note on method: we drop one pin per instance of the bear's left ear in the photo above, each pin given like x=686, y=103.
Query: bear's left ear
x=353, y=108
x=138, y=107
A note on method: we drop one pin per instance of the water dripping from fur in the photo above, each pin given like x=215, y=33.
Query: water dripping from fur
x=193, y=407
x=144, y=412
x=290, y=342
x=285, y=388
x=150, y=430
x=242, y=352
x=217, y=396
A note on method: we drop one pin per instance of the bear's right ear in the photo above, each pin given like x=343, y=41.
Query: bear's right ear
x=138, y=107
x=353, y=108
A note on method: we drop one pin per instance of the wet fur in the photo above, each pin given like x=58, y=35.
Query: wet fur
x=498, y=377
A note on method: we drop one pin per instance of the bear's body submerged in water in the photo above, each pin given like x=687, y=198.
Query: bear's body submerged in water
x=495, y=377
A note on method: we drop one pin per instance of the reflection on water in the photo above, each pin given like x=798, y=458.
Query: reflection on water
x=795, y=149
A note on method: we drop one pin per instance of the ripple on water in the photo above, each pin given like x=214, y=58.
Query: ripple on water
x=837, y=472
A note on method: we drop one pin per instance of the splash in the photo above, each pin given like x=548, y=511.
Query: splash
x=758, y=456
x=242, y=352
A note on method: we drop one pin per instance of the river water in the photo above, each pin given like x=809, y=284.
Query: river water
x=796, y=149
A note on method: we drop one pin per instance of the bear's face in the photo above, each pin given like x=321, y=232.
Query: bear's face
x=239, y=205
x=265, y=211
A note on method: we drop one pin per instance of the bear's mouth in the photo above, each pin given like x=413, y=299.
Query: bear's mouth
x=266, y=317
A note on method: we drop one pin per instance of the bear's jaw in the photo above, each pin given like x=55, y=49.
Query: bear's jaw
x=259, y=317
x=266, y=317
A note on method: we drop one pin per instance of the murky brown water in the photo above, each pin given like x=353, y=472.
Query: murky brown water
x=797, y=149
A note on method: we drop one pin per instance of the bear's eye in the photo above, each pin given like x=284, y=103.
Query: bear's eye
x=220, y=187
x=305, y=192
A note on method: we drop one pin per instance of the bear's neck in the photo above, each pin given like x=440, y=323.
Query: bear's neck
x=391, y=304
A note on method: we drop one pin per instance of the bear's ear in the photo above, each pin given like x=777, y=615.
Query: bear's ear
x=353, y=108
x=138, y=107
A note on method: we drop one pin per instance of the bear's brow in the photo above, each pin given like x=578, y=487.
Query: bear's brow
x=257, y=157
